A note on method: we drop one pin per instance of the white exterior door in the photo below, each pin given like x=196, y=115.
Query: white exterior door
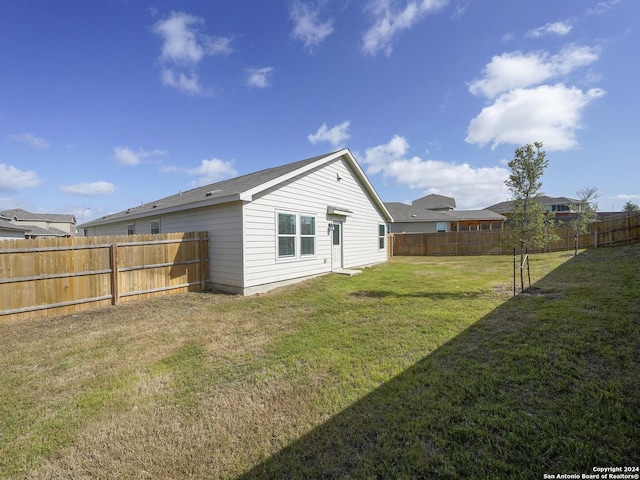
x=336, y=249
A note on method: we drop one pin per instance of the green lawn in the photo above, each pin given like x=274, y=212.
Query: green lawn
x=425, y=367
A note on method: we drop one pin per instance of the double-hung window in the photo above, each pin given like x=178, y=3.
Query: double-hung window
x=382, y=234
x=307, y=235
x=296, y=236
x=286, y=235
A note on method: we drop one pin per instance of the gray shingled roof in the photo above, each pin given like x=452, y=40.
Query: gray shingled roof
x=434, y=201
x=24, y=215
x=402, y=212
x=506, y=207
x=6, y=225
x=216, y=193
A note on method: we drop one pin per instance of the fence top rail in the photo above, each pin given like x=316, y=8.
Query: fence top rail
x=56, y=249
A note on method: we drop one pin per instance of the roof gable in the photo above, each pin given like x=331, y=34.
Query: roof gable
x=241, y=188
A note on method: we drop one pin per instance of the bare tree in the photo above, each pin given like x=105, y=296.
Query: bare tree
x=585, y=208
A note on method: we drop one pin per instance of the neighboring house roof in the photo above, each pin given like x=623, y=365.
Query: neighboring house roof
x=34, y=231
x=23, y=215
x=7, y=225
x=435, y=202
x=506, y=207
x=402, y=212
x=239, y=189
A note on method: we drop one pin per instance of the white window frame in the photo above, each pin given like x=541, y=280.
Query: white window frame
x=382, y=236
x=297, y=236
x=155, y=220
x=286, y=235
x=307, y=236
x=131, y=228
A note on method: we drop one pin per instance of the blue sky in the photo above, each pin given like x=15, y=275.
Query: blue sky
x=107, y=104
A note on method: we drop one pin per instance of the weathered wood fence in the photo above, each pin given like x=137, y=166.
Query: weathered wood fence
x=46, y=277
x=621, y=230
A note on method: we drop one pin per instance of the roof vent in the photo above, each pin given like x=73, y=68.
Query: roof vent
x=212, y=192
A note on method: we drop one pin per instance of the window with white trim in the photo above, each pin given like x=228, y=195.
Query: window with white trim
x=296, y=235
x=382, y=235
x=131, y=229
x=307, y=235
x=286, y=235
x=155, y=226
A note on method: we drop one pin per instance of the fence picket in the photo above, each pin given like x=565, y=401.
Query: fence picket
x=46, y=277
x=621, y=230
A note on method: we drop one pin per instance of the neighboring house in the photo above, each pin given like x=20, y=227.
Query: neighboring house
x=9, y=231
x=273, y=227
x=42, y=224
x=557, y=205
x=441, y=217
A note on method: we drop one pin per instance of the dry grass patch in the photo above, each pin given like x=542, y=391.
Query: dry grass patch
x=420, y=366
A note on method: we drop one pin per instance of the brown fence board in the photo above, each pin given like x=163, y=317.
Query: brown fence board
x=622, y=230
x=45, y=277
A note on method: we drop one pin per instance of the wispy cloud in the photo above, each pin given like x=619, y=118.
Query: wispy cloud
x=335, y=135
x=13, y=179
x=127, y=156
x=259, y=77
x=32, y=141
x=388, y=20
x=211, y=171
x=184, y=46
x=556, y=28
x=91, y=189
x=308, y=26
x=472, y=187
x=602, y=7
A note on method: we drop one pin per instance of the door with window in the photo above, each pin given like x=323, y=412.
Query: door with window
x=336, y=249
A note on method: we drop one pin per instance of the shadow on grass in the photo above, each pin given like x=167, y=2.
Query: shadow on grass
x=426, y=294
x=537, y=386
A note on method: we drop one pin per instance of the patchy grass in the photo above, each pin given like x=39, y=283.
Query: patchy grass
x=422, y=367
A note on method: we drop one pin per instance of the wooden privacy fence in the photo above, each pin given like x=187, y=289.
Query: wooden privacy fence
x=617, y=231
x=46, y=277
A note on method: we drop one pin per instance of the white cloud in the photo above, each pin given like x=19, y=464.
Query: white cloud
x=308, y=27
x=184, y=46
x=31, y=140
x=472, y=187
x=12, y=179
x=211, y=171
x=89, y=189
x=335, y=135
x=389, y=21
x=626, y=196
x=259, y=77
x=556, y=28
x=548, y=113
x=185, y=82
x=524, y=109
x=127, y=156
x=519, y=70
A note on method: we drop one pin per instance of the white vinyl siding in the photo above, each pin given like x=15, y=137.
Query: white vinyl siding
x=311, y=194
x=224, y=225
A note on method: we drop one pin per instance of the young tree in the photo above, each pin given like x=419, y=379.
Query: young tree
x=527, y=220
x=630, y=207
x=585, y=209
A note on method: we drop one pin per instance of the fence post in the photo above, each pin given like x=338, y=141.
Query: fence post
x=203, y=260
x=115, y=290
